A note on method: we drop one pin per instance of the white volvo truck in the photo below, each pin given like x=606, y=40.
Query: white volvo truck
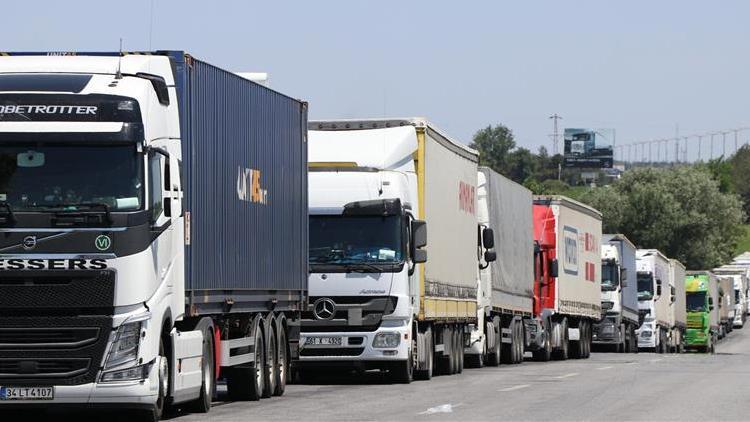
x=380, y=191
x=139, y=201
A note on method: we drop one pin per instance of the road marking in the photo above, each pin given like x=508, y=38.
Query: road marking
x=443, y=408
x=632, y=363
x=572, y=374
x=656, y=360
x=516, y=387
x=604, y=367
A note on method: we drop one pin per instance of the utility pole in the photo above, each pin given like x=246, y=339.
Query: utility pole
x=736, y=135
x=555, y=135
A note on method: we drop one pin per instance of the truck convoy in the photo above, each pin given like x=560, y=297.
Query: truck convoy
x=653, y=301
x=619, y=296
x=701, y=289
x=677, y=312
x=154, y=232
x=380, y=191
x=567, y=286
x=739, y=275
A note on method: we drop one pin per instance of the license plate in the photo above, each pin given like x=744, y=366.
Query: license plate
x=27, y=393
x=323, y=341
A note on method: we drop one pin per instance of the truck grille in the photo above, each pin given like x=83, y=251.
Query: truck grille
x=694, y=320
x=371, y=309
x=54, y=325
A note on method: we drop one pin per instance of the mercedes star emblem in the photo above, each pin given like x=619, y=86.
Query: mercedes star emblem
x=324, y=309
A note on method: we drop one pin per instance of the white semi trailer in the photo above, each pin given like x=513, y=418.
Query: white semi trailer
x=653, y=300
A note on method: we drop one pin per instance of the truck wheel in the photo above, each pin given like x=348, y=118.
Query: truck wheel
x=460, y=348
x=545, y=352
x=402, y=372
x=426, y=374
x=454, y=350
x=562, y=352
x=493, y=356
x=519, y=342
x=282, y=362
x=576, y=348
x=155, y=414
x=446, y=358
x=247, y=383
x=270, y=369
x=586, y=339
x=208, y=385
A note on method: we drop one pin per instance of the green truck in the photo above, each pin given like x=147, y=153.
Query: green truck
x=701, y=289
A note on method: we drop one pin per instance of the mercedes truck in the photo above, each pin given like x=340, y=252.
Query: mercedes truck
x=701, y=292
x=619, y=296
x=393, y=248
x=653, y=272
x=153, y=212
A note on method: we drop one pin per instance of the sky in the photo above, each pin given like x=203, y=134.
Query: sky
x=648, y=69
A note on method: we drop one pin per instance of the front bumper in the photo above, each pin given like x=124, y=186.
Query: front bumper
x=695, y=337
x=606, y=334
x=646, y=341
x=356, y=347
x=132, y=394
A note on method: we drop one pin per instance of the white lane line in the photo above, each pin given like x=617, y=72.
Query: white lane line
x=515, y=387
x=604, y=368
x=572, y=374
x=656, y=360
x=443, y=408
x=632, y=363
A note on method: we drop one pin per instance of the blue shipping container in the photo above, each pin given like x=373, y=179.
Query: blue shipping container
x=245, y=176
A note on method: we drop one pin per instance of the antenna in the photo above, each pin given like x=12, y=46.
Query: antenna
x=118, y=75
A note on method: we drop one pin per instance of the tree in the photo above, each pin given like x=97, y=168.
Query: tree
x=680, y=211
x=740, y=171
x=494, y=144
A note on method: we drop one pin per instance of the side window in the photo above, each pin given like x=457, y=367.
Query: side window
x=156, y=201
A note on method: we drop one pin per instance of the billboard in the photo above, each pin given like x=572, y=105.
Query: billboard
x=589, y=148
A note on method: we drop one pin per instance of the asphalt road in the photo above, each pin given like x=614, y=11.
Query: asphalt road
x=607, y=386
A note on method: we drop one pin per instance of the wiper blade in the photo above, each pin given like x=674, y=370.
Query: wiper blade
x=352, y=266
x=66, y=208
x=11, y=217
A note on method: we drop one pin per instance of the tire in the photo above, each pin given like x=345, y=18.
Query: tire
x=587, y=339
x=454, y=350
x=518, y=344
x=493, y=356
x=247, y=383
x=270, y=369
x=426, y=374
x=577, y=350
x=562, y=352
x=402, y=372
x=208, y=385
x=155, y=414
x=461, y=350
x=446, y=359
x=545, y=353
x=282, y=360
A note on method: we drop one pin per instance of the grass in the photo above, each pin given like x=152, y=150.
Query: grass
x=744, y=244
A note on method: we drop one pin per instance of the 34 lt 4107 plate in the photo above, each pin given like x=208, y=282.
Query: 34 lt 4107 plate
x=27, y=393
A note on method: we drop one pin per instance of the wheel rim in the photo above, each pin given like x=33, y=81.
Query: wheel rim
x=163, y=377
x=282, y=361
x=259, y=361
x=207, y=378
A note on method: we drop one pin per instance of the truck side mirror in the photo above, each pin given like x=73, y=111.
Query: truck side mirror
x=488, y=238
x=419, y=256
x=490, y=256
x=658, y=289
x=672, y=294
x=623, y=277
x=418, y=234
x=553, y=270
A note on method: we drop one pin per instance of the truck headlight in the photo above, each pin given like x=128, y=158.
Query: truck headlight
x=386, y=340
x=135, y=373
x=646, y=334
x=127, y=340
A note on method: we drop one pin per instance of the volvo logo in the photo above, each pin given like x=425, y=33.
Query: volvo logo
x=29, y=242
x=324, y=309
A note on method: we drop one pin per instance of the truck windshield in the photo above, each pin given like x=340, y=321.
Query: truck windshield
x=609, y=276
x=35, y=177
x=645, y=286
x=696, y=302
x=337, y=239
